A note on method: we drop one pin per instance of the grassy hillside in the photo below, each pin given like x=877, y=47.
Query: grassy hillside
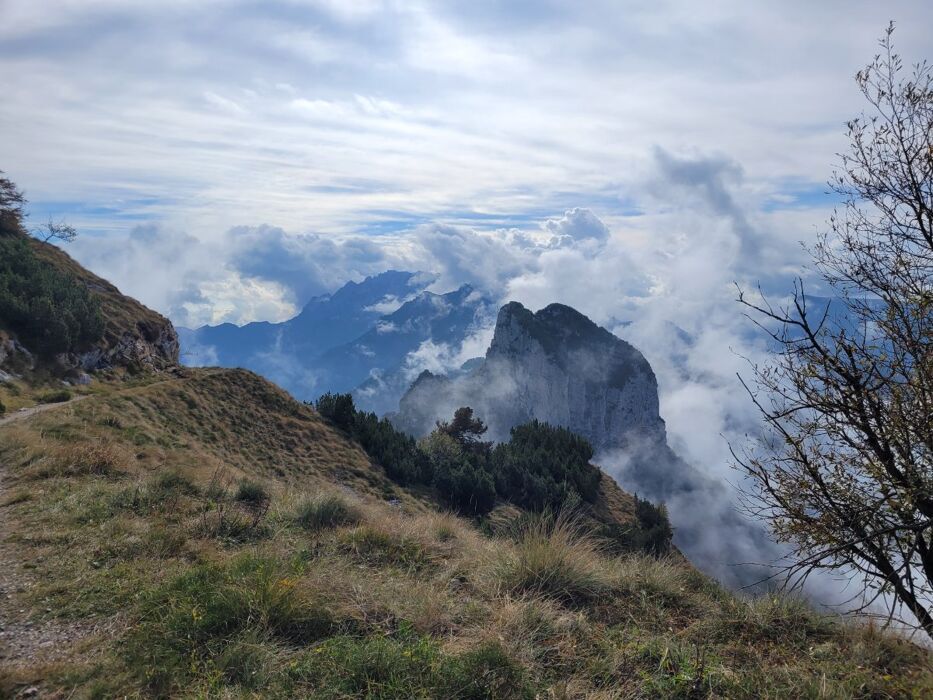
x=120, y=312
x=53, y=305
x=200, y=534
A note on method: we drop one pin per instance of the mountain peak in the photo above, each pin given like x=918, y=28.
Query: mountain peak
x=555, y=365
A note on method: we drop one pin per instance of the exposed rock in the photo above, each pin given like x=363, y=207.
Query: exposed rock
x=558, y=366
x=149, y=346
x=555, y=366
x=14, y=357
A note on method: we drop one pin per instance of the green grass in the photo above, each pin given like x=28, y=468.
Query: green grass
x=56, y=396
x=207, y=617
x=326, y=511
x=340, y=596
x=377, y=546
x=408, y=666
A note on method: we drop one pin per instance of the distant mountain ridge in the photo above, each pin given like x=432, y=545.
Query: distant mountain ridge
x=356, y=339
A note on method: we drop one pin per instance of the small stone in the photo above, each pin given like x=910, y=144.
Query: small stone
x=31, y=691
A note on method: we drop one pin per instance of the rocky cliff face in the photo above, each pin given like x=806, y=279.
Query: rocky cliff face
x=555, y=366
x=148, y=346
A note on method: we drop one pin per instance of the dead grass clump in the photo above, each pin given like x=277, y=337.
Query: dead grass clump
x=554, y=558
x=227, y=516
x=98, y=458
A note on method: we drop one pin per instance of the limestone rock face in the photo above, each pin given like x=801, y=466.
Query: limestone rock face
x=149, y=346
x=555, y=366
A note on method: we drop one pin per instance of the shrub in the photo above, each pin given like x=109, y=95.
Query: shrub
x=395, y=451
x=460, y=474
x=651, y=532
x=251, y=492
x=555, y=558
x=58, y=396
x=542, y=466
x=326, y=511
x=48, y=309
x=195, y=623
x=338, y=409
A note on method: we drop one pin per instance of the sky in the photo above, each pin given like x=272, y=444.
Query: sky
x=226, y=160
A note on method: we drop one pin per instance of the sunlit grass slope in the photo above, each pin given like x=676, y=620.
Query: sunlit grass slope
x=201, y=534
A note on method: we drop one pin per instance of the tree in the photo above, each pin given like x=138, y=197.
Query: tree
x=12, y=202
x=464, y=428
x=845, y=469
x=59, y=230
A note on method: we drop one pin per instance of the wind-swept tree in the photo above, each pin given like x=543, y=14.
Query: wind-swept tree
x=845, y=473
x=12, y=202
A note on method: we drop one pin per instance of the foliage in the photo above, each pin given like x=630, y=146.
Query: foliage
x=12, y=202
x=464, y=428
x=394, y=450
x=338, y=409
x=651, y=532
x=845, y=470
x=47, y=309
x=542, y=466
x=461, y=473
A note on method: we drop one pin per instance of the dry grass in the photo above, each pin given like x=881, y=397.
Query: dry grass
x=95, y=458
x=554, y=558
x=416, y=601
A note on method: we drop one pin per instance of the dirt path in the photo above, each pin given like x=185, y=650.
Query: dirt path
x=33, y=410
x=24, y=641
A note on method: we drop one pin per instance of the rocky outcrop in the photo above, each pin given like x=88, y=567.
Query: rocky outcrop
x=149, y=346
x=131, y=335
x=555, y=366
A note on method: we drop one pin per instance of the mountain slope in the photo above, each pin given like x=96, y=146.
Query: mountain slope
x=199, y=533
x=203, y=534
x=118, y=331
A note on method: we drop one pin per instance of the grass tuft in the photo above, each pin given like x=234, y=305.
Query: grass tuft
x=56, y=396
x=251, y=492
x=554, y=558
x=374, y=545
x=326, y=511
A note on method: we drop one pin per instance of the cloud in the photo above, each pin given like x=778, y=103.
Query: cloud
x=449, y=114
x=577, y=225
